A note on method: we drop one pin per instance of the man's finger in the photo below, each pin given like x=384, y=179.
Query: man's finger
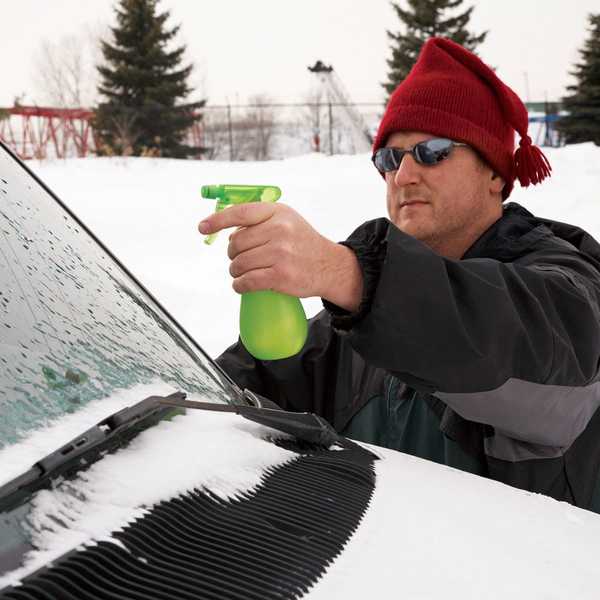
x=252, y=281
x=231, y=234
x=245, y=239
x=256, y=258
x=242, y=215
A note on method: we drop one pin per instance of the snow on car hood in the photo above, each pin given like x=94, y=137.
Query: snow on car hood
x=432, y=531
x=221, y=452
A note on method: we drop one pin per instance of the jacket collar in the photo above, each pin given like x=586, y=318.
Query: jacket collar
x=512, y=234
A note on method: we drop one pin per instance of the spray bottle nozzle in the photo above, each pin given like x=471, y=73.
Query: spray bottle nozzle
x=211, y=191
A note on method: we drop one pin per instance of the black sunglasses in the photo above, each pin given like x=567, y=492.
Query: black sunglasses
x=428, y=153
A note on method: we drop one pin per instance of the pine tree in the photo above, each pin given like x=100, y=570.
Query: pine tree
x=145, y=85
x=422, y=20
x=582, y=124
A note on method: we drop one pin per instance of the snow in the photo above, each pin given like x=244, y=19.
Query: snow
x=221, y=452
x=435, y=532
x=431, y=531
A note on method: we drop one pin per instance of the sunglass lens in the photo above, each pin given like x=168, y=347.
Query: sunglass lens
x=387, y=159
x=433, y=151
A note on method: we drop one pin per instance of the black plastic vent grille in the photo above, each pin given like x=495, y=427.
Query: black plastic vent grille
x=273, y=543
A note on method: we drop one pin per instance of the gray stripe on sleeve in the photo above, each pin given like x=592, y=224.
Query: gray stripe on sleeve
x=507, y=448
x=549, y=415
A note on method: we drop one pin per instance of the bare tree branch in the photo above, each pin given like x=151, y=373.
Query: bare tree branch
x=65, y=71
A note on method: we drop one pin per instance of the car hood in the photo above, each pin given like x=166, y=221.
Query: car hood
x=428, y=530
x=432, y=531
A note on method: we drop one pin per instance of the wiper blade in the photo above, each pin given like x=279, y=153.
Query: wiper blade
x=106, y=436
x=307, y=427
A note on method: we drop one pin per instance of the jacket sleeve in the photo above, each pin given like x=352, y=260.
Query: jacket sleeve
x=461, y=329
x=304, y=382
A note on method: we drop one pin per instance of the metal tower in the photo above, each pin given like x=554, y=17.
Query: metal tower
x=336, y=94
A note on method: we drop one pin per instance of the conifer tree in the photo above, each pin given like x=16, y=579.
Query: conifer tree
x=144, y=84
x=582, y=124
x=424, y=19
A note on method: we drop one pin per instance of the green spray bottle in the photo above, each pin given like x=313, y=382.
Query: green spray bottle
x=272, y=325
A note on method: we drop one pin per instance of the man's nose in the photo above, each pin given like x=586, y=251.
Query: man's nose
x=409, y=171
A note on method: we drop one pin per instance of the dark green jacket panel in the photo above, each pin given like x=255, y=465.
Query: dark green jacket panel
x=402, y=419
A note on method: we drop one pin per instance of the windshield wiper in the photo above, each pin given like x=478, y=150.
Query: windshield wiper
x=306, y=427
x=120, y=427
x=106, y=436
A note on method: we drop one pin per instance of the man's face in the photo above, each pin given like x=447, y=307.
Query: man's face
x=447, y=206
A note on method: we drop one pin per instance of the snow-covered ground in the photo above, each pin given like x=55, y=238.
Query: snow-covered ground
x=147, y=211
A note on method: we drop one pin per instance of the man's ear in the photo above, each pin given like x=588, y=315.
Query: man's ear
x=496, y=183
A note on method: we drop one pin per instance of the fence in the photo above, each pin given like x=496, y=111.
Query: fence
x=259, y=131
x=278, y=130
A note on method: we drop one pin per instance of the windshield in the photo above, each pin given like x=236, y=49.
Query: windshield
x=75, y=326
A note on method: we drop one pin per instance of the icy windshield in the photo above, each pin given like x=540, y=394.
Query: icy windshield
x=75, y=327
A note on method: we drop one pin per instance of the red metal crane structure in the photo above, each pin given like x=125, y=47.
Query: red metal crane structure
x=43, y=132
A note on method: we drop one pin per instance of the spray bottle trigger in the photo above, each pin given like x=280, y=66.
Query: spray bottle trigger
x=221, y=204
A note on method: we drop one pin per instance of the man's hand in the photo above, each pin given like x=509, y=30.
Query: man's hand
x=274, y=248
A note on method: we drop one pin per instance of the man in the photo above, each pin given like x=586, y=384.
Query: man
x=460, y=330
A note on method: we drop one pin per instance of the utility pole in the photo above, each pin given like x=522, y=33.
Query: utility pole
x=526, y=76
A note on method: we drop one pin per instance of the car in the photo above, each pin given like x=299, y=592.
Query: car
x=132, y=466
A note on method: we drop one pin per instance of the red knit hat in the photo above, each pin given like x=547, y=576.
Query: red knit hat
x=452, y=93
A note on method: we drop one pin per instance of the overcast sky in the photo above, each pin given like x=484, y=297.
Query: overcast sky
x=246, y=47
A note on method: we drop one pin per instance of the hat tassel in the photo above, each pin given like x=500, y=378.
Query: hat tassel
x=530, y=163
